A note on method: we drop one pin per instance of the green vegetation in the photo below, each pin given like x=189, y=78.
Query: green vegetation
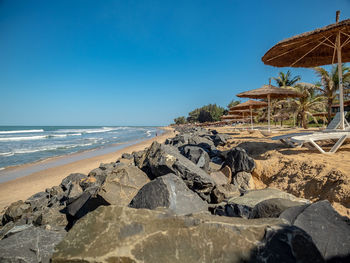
x=180, y=120
x=208, y=113
x=233, y=103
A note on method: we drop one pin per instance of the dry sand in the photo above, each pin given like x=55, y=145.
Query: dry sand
x=300, y=171
x=23, y=187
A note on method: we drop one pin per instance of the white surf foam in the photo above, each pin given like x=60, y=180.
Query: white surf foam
x=38, y=137
x=21, y=131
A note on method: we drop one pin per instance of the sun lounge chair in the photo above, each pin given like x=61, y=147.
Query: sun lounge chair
x=340, y=136
x=332, y=127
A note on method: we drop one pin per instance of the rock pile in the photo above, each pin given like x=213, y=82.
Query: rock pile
x=184, y=200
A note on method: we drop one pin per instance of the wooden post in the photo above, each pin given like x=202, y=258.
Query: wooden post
x=269, y=106
x=340, y=75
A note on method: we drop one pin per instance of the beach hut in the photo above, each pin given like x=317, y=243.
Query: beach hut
x=250, y=104
x=269, y=92
x=323, y=46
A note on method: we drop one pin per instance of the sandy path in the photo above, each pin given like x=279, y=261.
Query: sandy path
x=24, y=187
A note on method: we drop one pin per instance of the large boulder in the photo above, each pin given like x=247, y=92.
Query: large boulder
x=221, y=139
x=273, y=207
x=197, y=155
x=329, y=231
x=239, y=161
x=122, y=185
x=163, y=159
x=30, y=245
x=38, y=201
x=244, y=181
x=141, y=235
x=171, y=192
x=242, y=206
x=15, y=211
x=74, y=178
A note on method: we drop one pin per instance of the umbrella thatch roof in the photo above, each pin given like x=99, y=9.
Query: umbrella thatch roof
x=227, y=117
x=241, y=112
x=254, y=104
x=311, y=49
x=273, y=91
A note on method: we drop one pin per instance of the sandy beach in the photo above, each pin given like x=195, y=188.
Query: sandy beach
x=23, y=187
x=302, y=172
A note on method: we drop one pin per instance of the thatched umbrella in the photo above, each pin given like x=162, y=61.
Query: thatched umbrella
x=323, y=46
x=250, y=104
x=271, y=92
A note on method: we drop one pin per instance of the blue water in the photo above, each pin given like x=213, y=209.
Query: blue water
x=26, y=144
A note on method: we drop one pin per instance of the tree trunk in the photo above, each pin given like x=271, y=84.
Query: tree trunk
x=329, y=109
x=304, y=120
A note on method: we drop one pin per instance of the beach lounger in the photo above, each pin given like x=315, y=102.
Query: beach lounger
x=332, y=127
x=339, y=136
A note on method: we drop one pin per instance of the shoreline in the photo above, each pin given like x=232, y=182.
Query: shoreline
x=23, y=187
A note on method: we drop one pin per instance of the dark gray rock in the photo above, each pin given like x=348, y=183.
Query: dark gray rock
x=244, y=181
x=38, y=201
x=171, y=192
x=197, y=155
x=15, y=211
x=224, y=192
x=329, y=231
x=142, y=235
x=72, y=178
x=55, y=195
x=107, y=166
x=239, y=161
x=122, y=185
x=99, y=175
x=30, y=245
x=221, y=139
x=287, y=244
x=233, y=210
x=53, y=216
x=273, y=207
x=139, y=157
x=163, y=159
x=127, y=156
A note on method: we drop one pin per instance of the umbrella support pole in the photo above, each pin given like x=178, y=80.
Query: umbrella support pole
x=251, y=117
x=268, y=111
x=340, y=75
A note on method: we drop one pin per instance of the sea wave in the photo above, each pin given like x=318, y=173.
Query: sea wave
x=43, y=149
x=38, y=137
x=21, y=131
x=92, y=130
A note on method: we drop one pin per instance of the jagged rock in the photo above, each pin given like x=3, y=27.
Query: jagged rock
x=197, y=155
x=163, y=159
x=55, y=195
x=50, y=216
x=74, y=190
x=122, y=185
x=125, y=161
x=226, y=170
x=13, y=228
x=214, y=167
x=70, y=179
x=273, y=207
x=30, y=245
x=127, y=156
x=107, y=166
x=139, y=158
x=329, y=231
x=99, y=174
x=253, y=197
x=239, y=161
x=287, y=244
x=202, y=142
x=219, y=178
x=221, y=139
x=15, y=211
x=171, y=192
x=89, y=182
x=224, y=192
x=141, y=235
x=242, y=206
x=244, y=181
x=38, y=201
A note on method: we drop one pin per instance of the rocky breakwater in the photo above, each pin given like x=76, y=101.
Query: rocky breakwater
x=184, y=200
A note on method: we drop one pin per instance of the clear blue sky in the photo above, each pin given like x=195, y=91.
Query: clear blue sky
x=140, y=62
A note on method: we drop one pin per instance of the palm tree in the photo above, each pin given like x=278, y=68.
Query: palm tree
x=330, y=84
x=286, y=80
x=305, y=105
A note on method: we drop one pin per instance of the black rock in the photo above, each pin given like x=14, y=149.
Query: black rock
x=329, y=231
x=287, y=244
x=171, y=192
x=127, y=156
x=38, y=201
x=273, y=207
x=239, y=161
x=221, y=139
x=197, y=155
x=70, y=179
x=163, y=159
x=30, y=245
x=233, y=210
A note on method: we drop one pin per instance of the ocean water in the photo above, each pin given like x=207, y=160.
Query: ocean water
x=27, y=144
